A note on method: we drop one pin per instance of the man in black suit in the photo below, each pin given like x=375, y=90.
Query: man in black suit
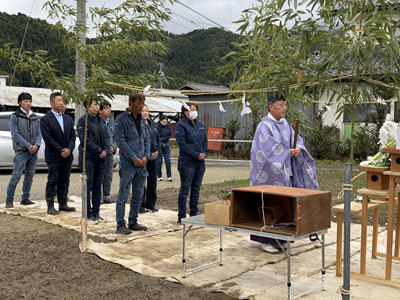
x=59, y=135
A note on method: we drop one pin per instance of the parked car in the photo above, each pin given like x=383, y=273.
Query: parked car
x=7, y=151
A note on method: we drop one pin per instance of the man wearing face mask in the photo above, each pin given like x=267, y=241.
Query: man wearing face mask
x=192, y=141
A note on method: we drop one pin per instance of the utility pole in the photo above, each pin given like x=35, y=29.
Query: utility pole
x=80, y=69
x=80, y=110
x=161, y=65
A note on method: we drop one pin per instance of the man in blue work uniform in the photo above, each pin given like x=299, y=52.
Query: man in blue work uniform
x=133, y=140
x=192, y=140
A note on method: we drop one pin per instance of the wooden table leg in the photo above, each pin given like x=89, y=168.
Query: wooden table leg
x=389, y=245
x=375, y=232
x=364, y=223
x=396, y=244
x=339, y=244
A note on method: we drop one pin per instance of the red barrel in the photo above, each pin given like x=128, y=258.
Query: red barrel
x=216, y=133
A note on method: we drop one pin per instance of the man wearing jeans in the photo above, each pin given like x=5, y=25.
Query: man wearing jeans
x=105, y=112
x=133, y=141
x=26, y=137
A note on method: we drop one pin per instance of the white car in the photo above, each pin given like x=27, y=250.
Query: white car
x=7, y=151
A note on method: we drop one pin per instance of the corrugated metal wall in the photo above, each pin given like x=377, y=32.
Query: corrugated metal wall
x=210, y=115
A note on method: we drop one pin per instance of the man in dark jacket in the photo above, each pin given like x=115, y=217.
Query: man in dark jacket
x=105, y=112
x=26, y=137
x=59, y=135
x=97, y=147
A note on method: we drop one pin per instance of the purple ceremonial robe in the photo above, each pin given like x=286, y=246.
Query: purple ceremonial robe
x=271, y=163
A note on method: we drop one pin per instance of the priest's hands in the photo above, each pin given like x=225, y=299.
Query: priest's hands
x=295, y=152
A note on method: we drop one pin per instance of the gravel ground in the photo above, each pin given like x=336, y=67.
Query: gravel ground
x=213, y=174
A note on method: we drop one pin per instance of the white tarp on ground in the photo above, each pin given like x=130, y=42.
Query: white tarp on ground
x=246, y=273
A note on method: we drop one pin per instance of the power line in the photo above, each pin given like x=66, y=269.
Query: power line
x=183, y=12
x=185, y=18
x=203, y=16
x=22, y=43
x=190, y=21
x=180, y=25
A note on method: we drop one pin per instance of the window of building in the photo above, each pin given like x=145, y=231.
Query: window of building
x=362, y=111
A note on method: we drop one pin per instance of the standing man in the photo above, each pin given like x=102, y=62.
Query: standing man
x=273, y=160
x=97, y=147
x=26, y=137
x=59, y=135
x=133, y=141
x=105, y=112
x=165, y=132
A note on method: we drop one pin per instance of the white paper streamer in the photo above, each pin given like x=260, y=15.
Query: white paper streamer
x=246, y=110
x=185, y=105
x=221, y=108
x=381, y=101
x=327, y=107
x=146, y=91
x=387, y=131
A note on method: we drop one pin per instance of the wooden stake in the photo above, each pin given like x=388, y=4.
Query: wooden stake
x=84, y=235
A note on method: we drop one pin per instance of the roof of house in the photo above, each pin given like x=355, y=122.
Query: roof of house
x=341, y=4
x=377, y=62
x=202, y=87
x=41, y=98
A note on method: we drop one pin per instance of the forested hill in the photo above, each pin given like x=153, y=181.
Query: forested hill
x=39, y=36
x=191, y=57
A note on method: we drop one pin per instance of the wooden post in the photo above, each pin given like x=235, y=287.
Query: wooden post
x=84, y=234
x=389, y=245
x=375, y=232
x=339, y=243
x=396, y=244
x=364, y=223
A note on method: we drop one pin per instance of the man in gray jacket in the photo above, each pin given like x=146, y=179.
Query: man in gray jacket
x=105, y=112
x=26, y=137
x=133, y=141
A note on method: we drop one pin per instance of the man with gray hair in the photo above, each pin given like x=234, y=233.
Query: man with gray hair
x=273, y=160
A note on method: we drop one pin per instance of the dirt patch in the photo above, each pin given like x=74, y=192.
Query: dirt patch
x=43, y=261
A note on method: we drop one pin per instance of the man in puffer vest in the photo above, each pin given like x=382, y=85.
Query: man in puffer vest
x=26, y=137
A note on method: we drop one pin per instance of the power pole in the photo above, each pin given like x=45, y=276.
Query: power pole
x=161, y=65
x=80, y=69
x=80, y=110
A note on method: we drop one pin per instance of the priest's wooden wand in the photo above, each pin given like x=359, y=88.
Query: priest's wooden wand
x=296, y=133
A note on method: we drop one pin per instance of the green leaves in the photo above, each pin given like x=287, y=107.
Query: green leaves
x=352, y=40
x=131, y=31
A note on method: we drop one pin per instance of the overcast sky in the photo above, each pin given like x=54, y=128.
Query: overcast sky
x=223, y=12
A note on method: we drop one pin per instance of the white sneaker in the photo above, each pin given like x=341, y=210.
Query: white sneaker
x=159, y=178
x=269, y=248
x=169, y=178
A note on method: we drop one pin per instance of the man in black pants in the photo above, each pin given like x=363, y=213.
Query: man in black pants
x=59, y=135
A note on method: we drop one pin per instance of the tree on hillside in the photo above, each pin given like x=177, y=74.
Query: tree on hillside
x=38, y=36
x=279, y=45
